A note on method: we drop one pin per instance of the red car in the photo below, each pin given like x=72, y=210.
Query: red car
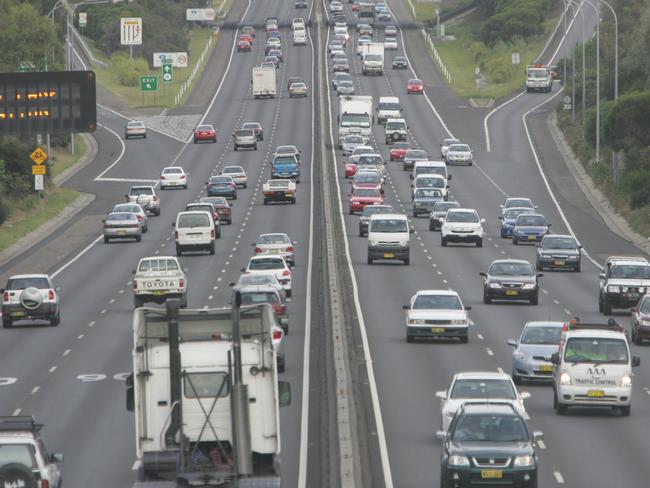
x=415, y=86
x=361, y=197
x=222, y=207
x=368, y=180
x=355, y=7
x=244, y=46
x=246, y=37
x=205, y=133
x=351, y=166
x=398, y=151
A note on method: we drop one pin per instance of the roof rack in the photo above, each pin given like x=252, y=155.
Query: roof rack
x=19, y=423
x=575, y=324
x=625, y=258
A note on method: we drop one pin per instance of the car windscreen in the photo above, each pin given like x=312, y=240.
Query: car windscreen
x=427, y=193
x=449, y=142
x=368, y=159
x=417, y=154
x=200, y=208
x=273, y=239
x=266, y=263
x=437, y=302
x=141, y=191
x=158, y=265
x=430, y=182
x=489, y=428
x=537, y=73
x=284, y=160
x=205, y=128
x=366, y=192
x=127, y=208
x=511, y=269
x=21, y=454
x=630, y=272
x=444, y=206
x=135, y=124
x=30, y=282
x=345, y=83
x=377, y=209
x=388, y=105
x=367, y=178
x=353, y=120
x=232, y=169
x=542, y=335
x=515, y=212
x=478, y=388
x=257, y=280
x=531, y=220
x=459, y=148
x=395, y=126
x=121, y=216
x=388, y=225
x=596, y=350
x=220, y=180
x=255, y=298
x=245, y=133
x=519, y=202
x=193, y=220
x=470, y=217
x=559, y=243
x=172, y=171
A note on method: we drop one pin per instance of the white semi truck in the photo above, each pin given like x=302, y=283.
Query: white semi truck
x=355, y=116
x=206, y=405
x=264, y=82
x=372, y=58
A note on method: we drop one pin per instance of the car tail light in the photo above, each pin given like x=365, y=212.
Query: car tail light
x=135, y=284
x=277, y=308
x=155, y=198
x=258, y=250
x=43, y=484
x=107, y=226
x=181, y=283
x=140, y=218
x=277, y=334
x=183, y=177
x=290, y=249
x=176, y=235
x=134, y=226
x=5, y=296
x=212, y=235
x=162, y=177
x=286, y=272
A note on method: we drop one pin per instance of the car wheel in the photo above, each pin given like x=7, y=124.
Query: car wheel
x=255, y=147
x=235, y=147
x=635, y=337
x=516, y=379
x=407, y=261
x=600, y=304
x=360, y=233
x=443, y=242
x=538, y=267
x=409, y=338
x=106, y=239
x=577, y=268
x=157, y=212
x=212, y=248
x=6, y=322
x=288, y=293
x=234, y=197
x=179, y=250
x=487, y=299
x=137, y=301
x=535, y=299
x=559, y=408
x=479, y=243
x=281, y=364
x=464, y=339
x=515, y=241
x=607, y=308
x=138, y=238
x=625, y=411
x=145, y=229
x=195, y=141
x=56, y=320
x=415, y=214
x=370, y=261
x=184, y=301
x=266, y=202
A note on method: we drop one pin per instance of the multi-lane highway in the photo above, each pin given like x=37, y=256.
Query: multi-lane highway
x=72, y=377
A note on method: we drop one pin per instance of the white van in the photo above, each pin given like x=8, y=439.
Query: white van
x=593, y=367
x=430, y=167
x=194, y=232
x=298, y=23
x=434, y=181
x=389, y=237
x=388, y=108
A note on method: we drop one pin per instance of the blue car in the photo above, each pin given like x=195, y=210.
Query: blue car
x=530, y=228
x=531, y=359
x=285, y=167
x=509, y=218
x=221, y=186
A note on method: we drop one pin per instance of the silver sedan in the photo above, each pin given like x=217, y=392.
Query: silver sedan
x=122, y=225
x=137, y=210
x=278, y=245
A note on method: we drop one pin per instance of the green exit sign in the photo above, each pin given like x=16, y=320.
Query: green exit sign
x=149, y=83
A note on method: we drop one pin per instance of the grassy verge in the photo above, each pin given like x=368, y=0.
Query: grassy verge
x=425, y=12
x=132, y=95
x=600, y=173
x=31, y=212
x=62, y=158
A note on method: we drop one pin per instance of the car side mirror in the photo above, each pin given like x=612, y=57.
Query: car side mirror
x=411, y=230
x=500, y=206
x=412, y=185
x=287, y=299
x=173, y=224
x=537, y=436
x=284, y=322
x=206, y=183
x=539, y=275
x=512, y=342
x=243, y=270
x=56, y=457
x=500, y=217
x=126, y=196
x=252, y=244
x=132, y=271
x=284, y=393
x=548, y=225
x=484, y=275
x=406, y=307
x=633, y=309
x=449, y=177
x=482, y=221
x=442, y=435
x=468, y=307
x=2, y=290
x=601, y=276
x=555, y=358
x=442, y=394
x=636, y=361
x=103, y=221
x=525, y=395
x=534, y=206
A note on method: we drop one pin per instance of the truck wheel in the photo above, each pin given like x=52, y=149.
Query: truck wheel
x=137, y=301
x=157, y=212
x=288, y=293
x=6, y=322
x=56, y=320
x=138, y=238
x=281, y=366
x=179, y=250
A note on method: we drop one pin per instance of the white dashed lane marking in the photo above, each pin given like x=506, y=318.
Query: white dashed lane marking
x=558, y=477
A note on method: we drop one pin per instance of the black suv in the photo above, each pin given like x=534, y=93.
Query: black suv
x=488, y=442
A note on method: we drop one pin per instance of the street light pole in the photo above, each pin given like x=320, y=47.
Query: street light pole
x=615, y=46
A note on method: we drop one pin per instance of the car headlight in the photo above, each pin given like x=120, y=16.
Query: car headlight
x=645, y=322
x=495, y=285
x=458, y=461
x=403, y=243
x=417, y=321
x=624, y=289
x=565, y=379
x=612, y=289
x=529, y=286
x=524, y=461
x=546, y=256
x=641, y=290
x=626, y=380
x=458, y=322
x=520, y=355
x=373, y=243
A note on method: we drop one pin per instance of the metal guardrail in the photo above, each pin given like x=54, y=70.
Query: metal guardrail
x=436, y=56
x=86, y=49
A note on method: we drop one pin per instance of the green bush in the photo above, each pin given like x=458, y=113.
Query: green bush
x=4, y=211
x=636, y=184
x=499, y=71
x=128, y=71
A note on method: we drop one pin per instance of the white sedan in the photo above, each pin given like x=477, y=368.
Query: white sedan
x=271, y=265
x=390, y=43
x=336, y=7
x=238, y=174
x=173, y=177
x=436, y=314
x=476, y=387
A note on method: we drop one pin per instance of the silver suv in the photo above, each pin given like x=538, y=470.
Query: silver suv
x=245, y=138
x=24, y=459
x=146, y=197
x=30, y=297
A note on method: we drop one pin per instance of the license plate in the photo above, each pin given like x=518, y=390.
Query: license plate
x=437, y=330
x=512, y=292
x=159, y=293
x=491, y=474
x=546, y=367
x=633, y=295
x=560, y=263
x=18, y=314
x=389, y=255
x=595, y=393
x=121, y=232
x=532, y=238
x=274, y=251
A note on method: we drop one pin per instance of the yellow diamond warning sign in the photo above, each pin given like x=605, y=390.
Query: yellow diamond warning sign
x=39, y=156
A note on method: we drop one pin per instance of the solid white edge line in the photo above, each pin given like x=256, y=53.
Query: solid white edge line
x=486, y=129
x=98, y=177
x=306, y=356
x=381, y=435
x=524, y=119
x=76, y=257
x=126, y=117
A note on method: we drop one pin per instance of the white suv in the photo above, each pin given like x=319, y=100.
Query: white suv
x=25, y=461
x=462, y=225
x=436, y=314
x=146, y=197
x=30, y=297
x=271, y=265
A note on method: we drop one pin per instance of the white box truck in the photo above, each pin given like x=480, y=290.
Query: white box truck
x=264, y=83
x=355, y=116
x=372, y=58
x=189, y=372
x=538, y=78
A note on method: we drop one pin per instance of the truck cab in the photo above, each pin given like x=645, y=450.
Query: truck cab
x=538, y=78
